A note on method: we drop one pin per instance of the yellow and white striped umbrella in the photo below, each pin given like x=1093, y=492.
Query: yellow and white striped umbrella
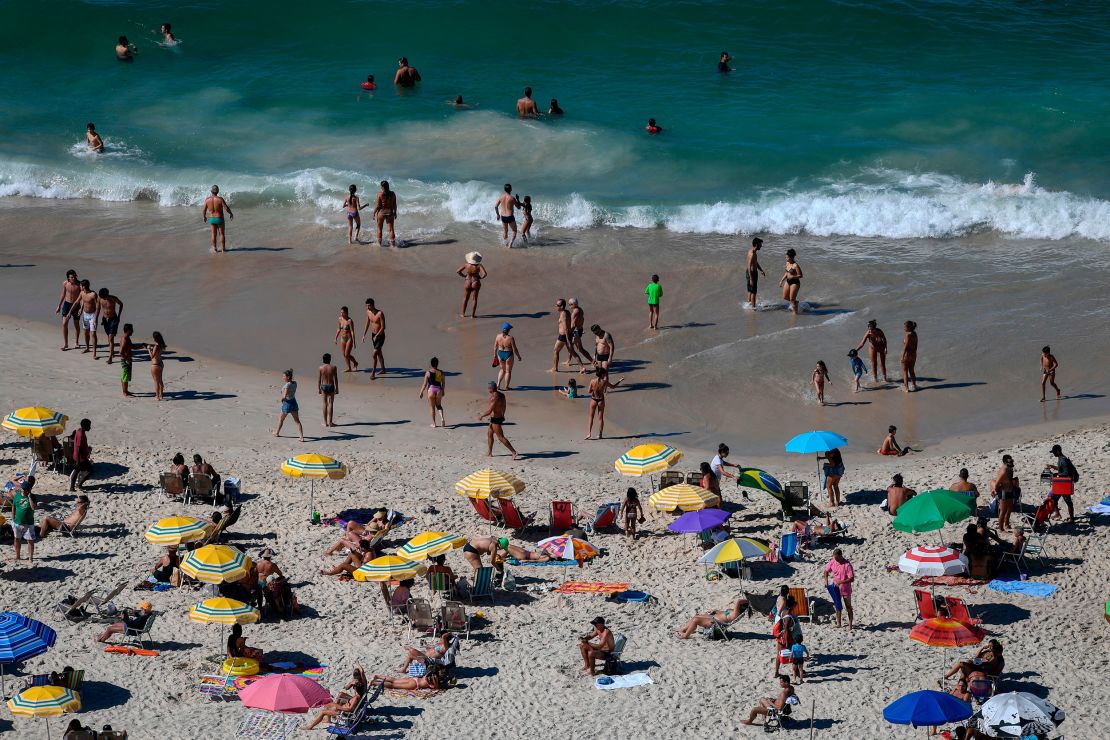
x=646, y=459
x=389, y=568
x=312, y=465
x=489, y=482
x=44, y=701
x=221, y=610
x=35, y=421
x=430, y=544
x=737, y=548
x=683, y=496
x=216, y=564
x=175, y=530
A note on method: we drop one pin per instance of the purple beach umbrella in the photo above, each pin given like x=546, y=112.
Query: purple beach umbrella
x=699, y=521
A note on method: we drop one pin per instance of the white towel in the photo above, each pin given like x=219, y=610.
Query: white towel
x=624, y=682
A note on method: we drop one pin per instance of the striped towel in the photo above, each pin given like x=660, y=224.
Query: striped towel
x=591, y=587
x=560, y=563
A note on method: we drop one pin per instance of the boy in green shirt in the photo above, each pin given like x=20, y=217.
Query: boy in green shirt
x=654, y=292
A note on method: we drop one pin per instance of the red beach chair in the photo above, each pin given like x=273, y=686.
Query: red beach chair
x=606, y=516
x=562, y=517
x=957, y=610
x=926, y=609
x=512, y=517
x=482, y=508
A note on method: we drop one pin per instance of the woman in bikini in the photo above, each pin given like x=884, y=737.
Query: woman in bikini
x=791, y=280
x=598, y=386
x=352, y=205
x=155, y=350
x=473, y=273
x=820, y=377
x=346, y=332
x=385, y=211
x=909, y=357
x=344, y=702
x=705, y=621
x=435, y=383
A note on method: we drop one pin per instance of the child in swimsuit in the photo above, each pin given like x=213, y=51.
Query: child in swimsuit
x=858, y=368
x=632, y=511
x=526, y=206
x=570, y=391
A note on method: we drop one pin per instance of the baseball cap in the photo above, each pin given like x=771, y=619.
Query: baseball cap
x=506, y=326
x=1056, y=450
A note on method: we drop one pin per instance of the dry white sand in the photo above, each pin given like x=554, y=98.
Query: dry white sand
x=520, y=674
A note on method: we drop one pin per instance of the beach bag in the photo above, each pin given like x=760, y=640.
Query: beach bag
x=496, y=360
x=175, y=577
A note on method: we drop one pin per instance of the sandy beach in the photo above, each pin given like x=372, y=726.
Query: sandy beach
x=521, y=666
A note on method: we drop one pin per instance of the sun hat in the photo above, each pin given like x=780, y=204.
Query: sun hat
x=146, y=606
x=473, y=258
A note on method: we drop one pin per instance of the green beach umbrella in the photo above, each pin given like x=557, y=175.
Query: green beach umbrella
x=932, y=510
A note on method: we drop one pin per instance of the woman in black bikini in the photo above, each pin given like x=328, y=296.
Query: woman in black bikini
x=435, y=383
x=346, y=330
x=598, y=386
x=791, y=280
x=473, y=272
x=352, y=205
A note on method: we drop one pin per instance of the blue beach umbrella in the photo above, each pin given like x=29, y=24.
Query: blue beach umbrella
x=926, y=709
x=816, y=442
x=22, y=638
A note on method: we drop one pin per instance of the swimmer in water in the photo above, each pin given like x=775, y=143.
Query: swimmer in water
x=554, y=110
x=722, y=66
x=369, y=84
x=526, y=107
x=168, y=39
x=95, y=143
x=406, y=76
x=125, y=50
x=352, y=205
x=652, y=127
x=458, y=102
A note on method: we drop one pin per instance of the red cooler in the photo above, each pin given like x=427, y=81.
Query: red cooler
x=1062, y=486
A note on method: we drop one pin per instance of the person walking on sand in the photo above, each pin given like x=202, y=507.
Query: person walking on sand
x=506, y=353
x=909, y=357
x=385, y=212
x=155, y=350
x=526, y=107
x=1048, y=370
x=577, y=326
x=346, y=332
x=834, y=471
x=71, y=291
x=598, y=386
x=604, y=349
x=877, y=339
x=753, y=270
x=126, y=350
x=213, y=213
x=88, y=308
x=496, y=413
x=632, y=513
x=352, y=205
x=840, y=590
x=791, y=280
x=654, y=292
x=820, y=377
x=406, y=76
x=472, y=272
x=435, y=383
x=327, y=384
x=504, y=208
x=82, y=456
x=289, y=405
x=375, y=319
x=562, y=336
x=1064, y=468
x=858, y=368
x=110, y=310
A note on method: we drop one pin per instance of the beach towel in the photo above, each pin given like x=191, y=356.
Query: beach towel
x=560, y=563
x=262, y=725
x=948, y=581
x=834, y=594
x=412, y=693
x=591, y=587
x=622, y=682
x=1029, y=588
x=1102, y=507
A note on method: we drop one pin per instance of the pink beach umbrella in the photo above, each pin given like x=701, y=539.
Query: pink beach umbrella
x=284, y=692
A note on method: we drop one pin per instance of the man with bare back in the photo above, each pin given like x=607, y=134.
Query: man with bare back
x=213, y=213
x=71, y=289
x=111, y=308
x=577, y=326
x=385, y=212
x=327, y=383
x=375, y=319
x=496, y=414
x=562, y=337
x=526, y=107
x=504, y=208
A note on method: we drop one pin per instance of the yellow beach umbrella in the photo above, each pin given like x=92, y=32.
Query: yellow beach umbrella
x=683, y=496
x=35, y=421
x=312, y=466
x=44, y=701
x=430, y=544
x=216, y=564
x=176, y=530
x=646, y=459
x=223, y=611
x=738, y=548
x=389, y=568
x=489, y=482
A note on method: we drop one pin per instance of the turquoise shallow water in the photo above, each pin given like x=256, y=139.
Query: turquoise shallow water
x=898, y=119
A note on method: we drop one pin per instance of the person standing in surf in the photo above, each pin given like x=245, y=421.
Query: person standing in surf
x=909, y=357
x=504, y=210
x=526, y=107
x=877, y=350
x=473, y=272
x=346, y=332
x=791, y=280
x=352, y=205
x=92, y=139
x=753, y=270
x=213, y=213
x=385, y=212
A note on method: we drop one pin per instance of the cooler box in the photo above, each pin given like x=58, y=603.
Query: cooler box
x=1062, y=486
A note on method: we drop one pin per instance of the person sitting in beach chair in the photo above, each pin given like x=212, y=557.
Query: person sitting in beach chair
x=434, y=680
x=419, y=662
x=988, y=660
x=346, y=700
x=779, y=704
x=595, y=646
x=134, y=621
x=237, y=645
x=354, y=560
x=714, y=620
x=71, y=521
x=354, y=532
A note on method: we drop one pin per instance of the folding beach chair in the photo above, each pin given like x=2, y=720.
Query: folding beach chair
x=562, y=517
x=483, y=584
x=719, y=628
x=101, y=600
x=74, y=680
x=1017, y=558
x=218, y=686
x=455, y=618
x=670, y=478
x=74, y=610
x=140, y=635
x=613, y=665
x=393, y=610
x=172, y=485
x=511, y=516
x=924, y=604
x=788, y=546
x=200, y=487
x=804, y=606
x=795, y=496
x=958, y=610
x=762, y=604
x=482, y=508
x=420, y=616
x=694, y=478
x=441, y=583
x=605, y=518
x=64, y=461
x=347, y=723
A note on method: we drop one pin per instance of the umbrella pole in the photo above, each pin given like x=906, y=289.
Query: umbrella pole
x=311, y=497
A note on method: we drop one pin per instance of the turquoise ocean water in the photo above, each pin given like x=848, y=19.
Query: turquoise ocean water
x=895, y=119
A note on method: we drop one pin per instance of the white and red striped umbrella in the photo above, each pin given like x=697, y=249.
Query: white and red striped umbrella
x=932, y=560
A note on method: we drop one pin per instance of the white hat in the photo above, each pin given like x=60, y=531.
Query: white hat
x=473, y=258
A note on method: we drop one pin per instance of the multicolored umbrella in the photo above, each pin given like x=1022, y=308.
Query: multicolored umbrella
x=482, y=484
x=176, y=530
x=22, y=638
x=216, y=564
x=699, y=521
x=732, y=550
x=565, y=547
x=683, y=496
x=284, y=692
x=932, y=560
x=222, y=610
x=1018, y=714
x=35, y=421
x=646, y=459
x=760, y=480
x=312, y=466
x=932, y=510
x=926, y=709
x=946, y=633
x=389, y=568
x=430, y=544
